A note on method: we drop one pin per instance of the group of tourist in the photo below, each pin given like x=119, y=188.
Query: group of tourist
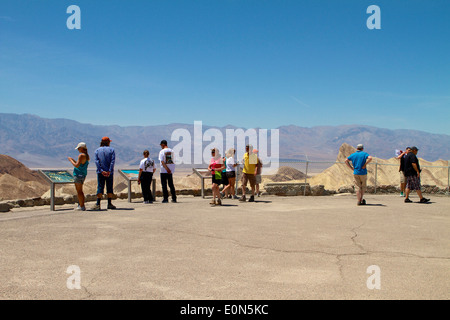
x=223, y=171
x=409, y=173
x=105, y=158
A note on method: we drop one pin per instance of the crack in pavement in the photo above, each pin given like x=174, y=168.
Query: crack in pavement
x=365, y=251
x=338, y=256
x=85, y=288
x=354, y=237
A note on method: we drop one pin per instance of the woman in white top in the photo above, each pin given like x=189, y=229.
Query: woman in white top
x=231, y=172
x=146, y=170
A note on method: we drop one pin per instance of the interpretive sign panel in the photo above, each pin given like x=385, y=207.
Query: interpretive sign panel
x=203, y=174
x=58, y=176
x=132, y=175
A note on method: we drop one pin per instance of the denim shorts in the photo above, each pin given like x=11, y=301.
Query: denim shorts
x=102, y=180
x=79, y=179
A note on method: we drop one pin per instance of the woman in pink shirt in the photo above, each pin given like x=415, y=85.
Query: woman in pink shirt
x=216, y=166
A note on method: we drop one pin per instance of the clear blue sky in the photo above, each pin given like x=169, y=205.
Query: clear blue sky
x=249, y=63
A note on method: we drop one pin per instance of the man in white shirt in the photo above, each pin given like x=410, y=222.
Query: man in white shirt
x=167, y=161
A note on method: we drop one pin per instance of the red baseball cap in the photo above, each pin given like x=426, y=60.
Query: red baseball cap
x=106, y=139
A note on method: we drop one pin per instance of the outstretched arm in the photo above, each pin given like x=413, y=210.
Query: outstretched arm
x=77, y=163
x=401, y=155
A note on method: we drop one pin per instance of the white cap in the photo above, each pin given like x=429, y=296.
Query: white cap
x=81, y=145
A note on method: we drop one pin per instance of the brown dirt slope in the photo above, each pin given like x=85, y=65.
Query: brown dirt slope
x=18, y=170
x=287, y=174
x=19, y=182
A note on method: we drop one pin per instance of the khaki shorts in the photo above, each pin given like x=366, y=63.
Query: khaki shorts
x=258, y=179
x=360, y=181
x=248, y=178
x=402, y=177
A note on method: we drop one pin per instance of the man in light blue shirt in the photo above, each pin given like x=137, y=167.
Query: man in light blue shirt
x=105, y=158
x=359, y=160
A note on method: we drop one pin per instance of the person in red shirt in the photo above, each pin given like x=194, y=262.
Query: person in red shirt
x=216, y=166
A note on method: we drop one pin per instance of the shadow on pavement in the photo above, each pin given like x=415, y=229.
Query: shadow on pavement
x=228, y=205
x=64, y=209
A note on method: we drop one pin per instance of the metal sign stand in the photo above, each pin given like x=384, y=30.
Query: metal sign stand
x=132, y=175
x=55, y=177
x=203, y=175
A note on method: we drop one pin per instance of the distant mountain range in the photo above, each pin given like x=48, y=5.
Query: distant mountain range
x=39, y=143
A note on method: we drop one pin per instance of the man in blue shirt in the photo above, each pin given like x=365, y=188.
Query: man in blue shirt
x=359, y=160
x=105, y=158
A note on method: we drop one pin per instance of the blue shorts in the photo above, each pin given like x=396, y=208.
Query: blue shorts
x=101, y=180
x=79, y=179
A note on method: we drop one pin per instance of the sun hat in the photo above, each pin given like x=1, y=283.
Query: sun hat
x=81, y=145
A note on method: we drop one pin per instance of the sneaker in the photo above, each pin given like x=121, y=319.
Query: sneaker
x=213, y=203
x=96, y=207
x=242, y=199
x=111, y=206
x=146, y=202
x=424, y=200
x=407, y=200
x=252, y=199
x=80, y=208
x=401, y=194
x=165, y=201
x=174, y=200
x=235, y=197
x=219, y=202
x=363, y=202
x=222, y=195
x=229, y=196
